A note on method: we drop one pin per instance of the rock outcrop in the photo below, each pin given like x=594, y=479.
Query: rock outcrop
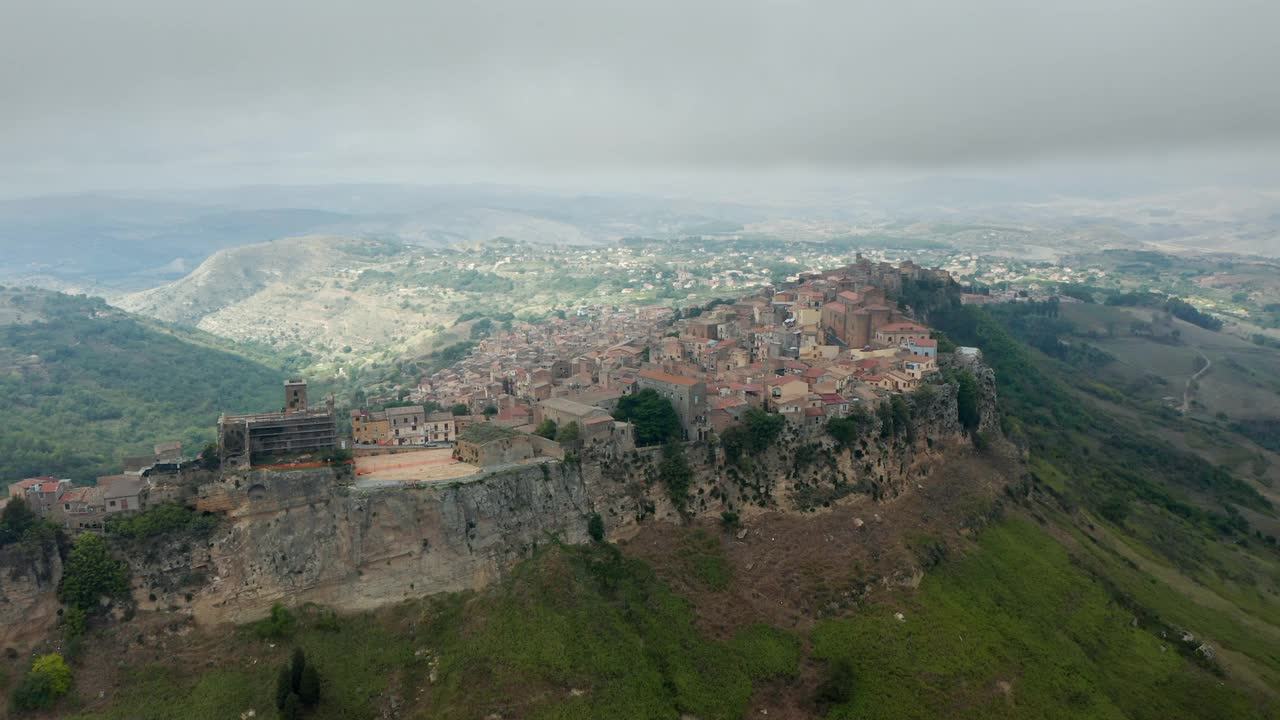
x=29, y=576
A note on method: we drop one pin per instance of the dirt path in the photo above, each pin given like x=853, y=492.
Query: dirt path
x=1186, y=392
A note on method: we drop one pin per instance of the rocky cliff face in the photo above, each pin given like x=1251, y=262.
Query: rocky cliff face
x=29, y=575
x=306, y=536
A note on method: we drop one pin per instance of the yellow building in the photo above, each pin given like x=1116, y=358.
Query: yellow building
x=370, y=428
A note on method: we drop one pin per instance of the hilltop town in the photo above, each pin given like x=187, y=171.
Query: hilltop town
x=820, y=348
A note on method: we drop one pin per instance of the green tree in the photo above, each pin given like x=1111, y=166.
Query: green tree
x=546, y=429
x=48, y=679
x=292, y=709
x=837, y=687
x=35, y=692
x=481, y=328
x=74, y=620
x=967, y=400
x=277, y=625
x=309, y=686
x=847, y=430
x=757, y=431
x=595, y=527
x=91, y=573
x=56, y=669
x=653, y=416
x=569, y=433
x=159, y=520
x=284, y=687
x=902, y=418
x=209, y=459
x=460, y=409
x=489, y=411
x=885, y=414
x=16, y=518
x=297, y=664
x=675, y=473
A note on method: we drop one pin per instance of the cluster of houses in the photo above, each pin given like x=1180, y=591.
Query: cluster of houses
x=88, y=507
x=810, y=351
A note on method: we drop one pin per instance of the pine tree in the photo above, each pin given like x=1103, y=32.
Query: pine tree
x=292, y=709
x=296, y=666
x=309, y=686
x=284, y=687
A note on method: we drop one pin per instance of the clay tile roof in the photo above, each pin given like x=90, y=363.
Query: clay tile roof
x=668, y=378
x=783, y=380
x=903, y=327
x=80, y=494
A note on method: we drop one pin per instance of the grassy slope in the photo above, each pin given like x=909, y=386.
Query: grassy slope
x=1157, y=526
x=576, y=633
x=108, y=384
x=1016, y=629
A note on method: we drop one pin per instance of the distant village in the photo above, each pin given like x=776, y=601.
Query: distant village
x=810, y=351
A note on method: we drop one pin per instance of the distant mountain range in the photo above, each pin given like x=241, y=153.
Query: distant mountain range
x=108, y=245
x=105, y=243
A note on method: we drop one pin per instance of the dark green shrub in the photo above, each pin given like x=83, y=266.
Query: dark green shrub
x=595, y=527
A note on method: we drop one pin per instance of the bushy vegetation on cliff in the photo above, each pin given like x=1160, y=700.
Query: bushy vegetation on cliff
x=654, y=418
x=160, y=520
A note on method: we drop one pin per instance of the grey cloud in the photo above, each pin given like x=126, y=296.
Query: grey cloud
x=156, y=89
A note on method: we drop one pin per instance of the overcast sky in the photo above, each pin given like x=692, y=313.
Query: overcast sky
x=127, y=93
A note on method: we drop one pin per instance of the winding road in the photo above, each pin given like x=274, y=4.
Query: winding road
x=1186, y=392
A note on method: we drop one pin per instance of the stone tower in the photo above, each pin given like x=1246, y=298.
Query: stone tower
x=295, y=395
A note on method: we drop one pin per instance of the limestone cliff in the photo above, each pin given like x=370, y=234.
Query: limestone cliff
x=29, y=575
x=307, y=536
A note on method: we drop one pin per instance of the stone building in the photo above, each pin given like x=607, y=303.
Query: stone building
x=297, y=428
x=81, y=508
x=485, y=444
x=370, y=427
x=122, y=493
x=687, y=395
x=408, y=425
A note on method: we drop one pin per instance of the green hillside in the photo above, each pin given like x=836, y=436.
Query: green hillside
x=83, y=384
